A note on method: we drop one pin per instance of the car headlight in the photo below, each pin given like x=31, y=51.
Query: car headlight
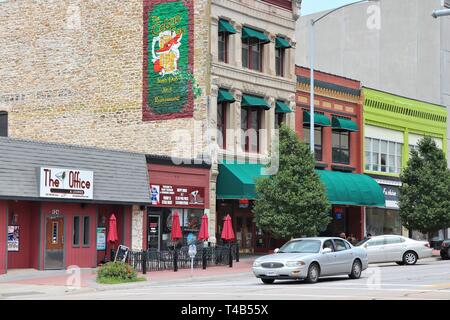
x=257, y=264
x=295, y=263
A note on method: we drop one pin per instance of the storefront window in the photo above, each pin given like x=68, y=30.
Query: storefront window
x=383, y=155
x=190, y=222
x=382, y=221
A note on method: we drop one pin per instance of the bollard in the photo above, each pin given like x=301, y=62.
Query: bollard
x=144, y=262
x=175, y=260
x=230, y=259
x=204, y=258
x=237, y=251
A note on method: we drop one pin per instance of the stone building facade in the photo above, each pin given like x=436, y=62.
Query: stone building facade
x=72, y=71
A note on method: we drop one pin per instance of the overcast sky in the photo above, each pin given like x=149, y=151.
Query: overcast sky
x=312, y=6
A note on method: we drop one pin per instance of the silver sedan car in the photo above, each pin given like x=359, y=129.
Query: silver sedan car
x=392, y=248
x=311, y=258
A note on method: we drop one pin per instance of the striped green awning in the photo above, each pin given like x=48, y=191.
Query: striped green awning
x=225, y=26
x=319, y=119
x=224, y=96
x=351, y=189
x=253, y=101
x=254, y=34
x=281, y=107
x=281, y=43
x=344, y=124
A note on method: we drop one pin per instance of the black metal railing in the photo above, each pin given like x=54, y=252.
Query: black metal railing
x=179, y=258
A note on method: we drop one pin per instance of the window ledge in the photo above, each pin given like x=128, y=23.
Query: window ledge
x=344, y=168
x=321, y=165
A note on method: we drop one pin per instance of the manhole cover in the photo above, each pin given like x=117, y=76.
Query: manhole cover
x=18, y=294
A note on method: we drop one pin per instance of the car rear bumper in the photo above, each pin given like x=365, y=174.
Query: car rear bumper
x=427, y=253
x=281, y=273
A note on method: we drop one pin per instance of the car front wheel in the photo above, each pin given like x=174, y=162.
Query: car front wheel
x=356, y=270
x=268, y=281
x=410, y=258
x=313, y=273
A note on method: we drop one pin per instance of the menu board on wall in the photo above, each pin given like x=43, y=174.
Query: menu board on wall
x=177, y=196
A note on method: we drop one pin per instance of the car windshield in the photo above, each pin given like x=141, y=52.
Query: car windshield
x=362, y=242
x=301, y=246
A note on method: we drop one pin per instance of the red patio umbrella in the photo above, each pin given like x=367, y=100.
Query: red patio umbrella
x=227, y=231
x=203, y=234
x=112, y=233
x=176, y=229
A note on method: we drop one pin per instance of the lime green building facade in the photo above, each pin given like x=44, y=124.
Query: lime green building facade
x=393, y=125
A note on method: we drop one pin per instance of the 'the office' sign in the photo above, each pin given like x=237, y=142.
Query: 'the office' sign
x=66, y=183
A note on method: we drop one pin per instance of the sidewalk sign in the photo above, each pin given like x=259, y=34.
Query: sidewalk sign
x=121, y=254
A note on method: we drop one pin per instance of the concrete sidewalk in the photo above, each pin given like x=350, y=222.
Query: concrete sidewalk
x=30, y=280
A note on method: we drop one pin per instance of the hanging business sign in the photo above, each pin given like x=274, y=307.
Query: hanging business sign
x=13, y=238
x=66, y=183
x=168, y=45
x=177, y=196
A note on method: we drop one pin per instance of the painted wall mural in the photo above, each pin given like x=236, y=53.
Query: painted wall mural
x=168, y=55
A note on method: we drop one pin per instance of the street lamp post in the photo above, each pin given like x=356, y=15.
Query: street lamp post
x=440, y=13
x=311, y=60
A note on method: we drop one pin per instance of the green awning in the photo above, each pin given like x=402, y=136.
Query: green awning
x=351, y=189
x=225, y=26
x=319, y=119
x=237, y=180
x=253, y=101
x=344, y=124
x=282, y=107
x=224, y=96
x=255, y=34
x=281, y=43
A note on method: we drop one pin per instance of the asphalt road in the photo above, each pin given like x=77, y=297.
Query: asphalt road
x=428, y=279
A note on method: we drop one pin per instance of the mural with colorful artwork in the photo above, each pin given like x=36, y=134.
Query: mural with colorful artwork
x=168, y=55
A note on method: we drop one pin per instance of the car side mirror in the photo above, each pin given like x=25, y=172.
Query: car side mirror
x=326, y=250
x=276, y=250
x=366, y=245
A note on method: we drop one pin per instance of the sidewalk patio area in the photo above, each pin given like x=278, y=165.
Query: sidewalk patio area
x=68, y=278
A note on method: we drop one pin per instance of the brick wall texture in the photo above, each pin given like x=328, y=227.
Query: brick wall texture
x=71, y=72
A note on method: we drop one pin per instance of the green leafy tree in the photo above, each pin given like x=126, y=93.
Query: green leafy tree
x=292, y=202
x=425, y=192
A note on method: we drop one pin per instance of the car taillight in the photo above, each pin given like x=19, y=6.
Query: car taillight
x=427, y=245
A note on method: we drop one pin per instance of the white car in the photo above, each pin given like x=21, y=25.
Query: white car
x=393, y=248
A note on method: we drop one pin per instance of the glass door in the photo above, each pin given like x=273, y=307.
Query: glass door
x=153, y=234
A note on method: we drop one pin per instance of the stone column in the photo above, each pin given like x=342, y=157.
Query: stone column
x=215, y=39
x=234, y=138
x=269, y=56
x=235, y=46
x=137, y=228
x=268, y=125
x=290, y=117
x=289, y=62
x=213, y=114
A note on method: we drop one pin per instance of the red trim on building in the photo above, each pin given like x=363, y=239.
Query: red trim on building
x=180, y=176
x=3, y=236
x=351, y=110
x=188, y=109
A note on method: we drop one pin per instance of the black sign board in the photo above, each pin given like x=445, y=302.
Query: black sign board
x=122, y=253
